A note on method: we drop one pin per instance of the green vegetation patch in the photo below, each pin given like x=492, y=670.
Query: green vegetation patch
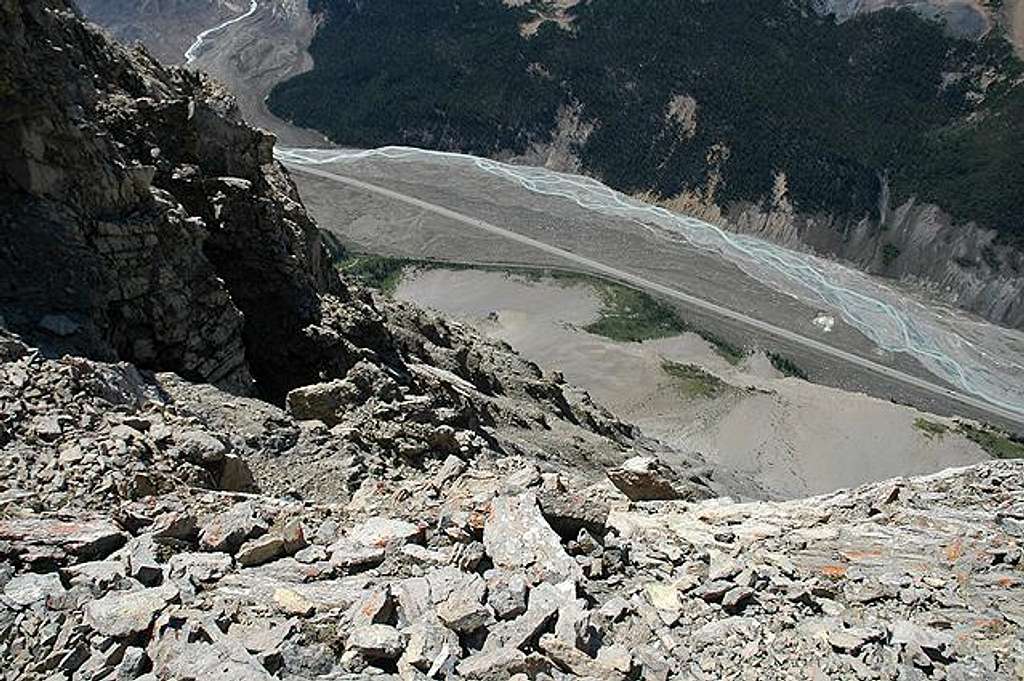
x=694, y=382
x=731, y=353
x=996, y=443
x=376, y=271
x=786, y=366
x=631, y=316
x=627, y=315
x=930, y=428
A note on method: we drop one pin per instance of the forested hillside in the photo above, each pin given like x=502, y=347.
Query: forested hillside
x=686, y=94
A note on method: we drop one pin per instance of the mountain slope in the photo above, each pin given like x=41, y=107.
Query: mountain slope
x=144, y=221
x=421, y=503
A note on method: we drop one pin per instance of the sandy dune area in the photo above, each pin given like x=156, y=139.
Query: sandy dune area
x=791, y=436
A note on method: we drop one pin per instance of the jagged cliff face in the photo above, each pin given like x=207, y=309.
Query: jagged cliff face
x=127, y=188
x=84, y=227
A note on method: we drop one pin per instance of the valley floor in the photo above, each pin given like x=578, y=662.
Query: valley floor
x=793, y=437
x=378, y=223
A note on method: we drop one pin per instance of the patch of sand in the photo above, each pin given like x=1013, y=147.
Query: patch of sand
x=791, y=436
x=1015, y=21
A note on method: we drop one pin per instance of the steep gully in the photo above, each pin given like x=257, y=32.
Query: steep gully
x=981, y=366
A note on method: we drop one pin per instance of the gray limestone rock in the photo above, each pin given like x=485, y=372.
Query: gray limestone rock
x=645, y=478
x=128, y=613
x=200, y=567
x=384, y=532
x=506, y=594
x=570, y=510
x=518, y=538
x=227, y=531
x=349, y=555
x=431, y=648
x=25, y=590
x=325, y=402
x=260, y=550
x=39, y=538
x=495, y=665
x=377, y=641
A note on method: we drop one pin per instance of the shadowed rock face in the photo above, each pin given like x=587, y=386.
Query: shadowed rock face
x=127, y=188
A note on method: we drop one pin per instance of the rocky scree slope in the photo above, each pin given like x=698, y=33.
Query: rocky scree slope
x=135, y=543
x=413, y=501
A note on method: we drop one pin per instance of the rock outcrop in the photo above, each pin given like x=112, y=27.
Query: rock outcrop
x=126, y=189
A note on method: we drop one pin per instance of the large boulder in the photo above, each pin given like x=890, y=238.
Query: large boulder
x=517, y=538
x=123, y=614
x=645, y=478
x=25, y=590
x=326, y=402
x=49, y=539
x=377, y=641
x=570, y=510
x=384, y=532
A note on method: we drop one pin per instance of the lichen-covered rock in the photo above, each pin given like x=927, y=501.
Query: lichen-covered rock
x=383, y=532
x=28, y=589
x=377, y=641
x=325, y=402
x=260, y=550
